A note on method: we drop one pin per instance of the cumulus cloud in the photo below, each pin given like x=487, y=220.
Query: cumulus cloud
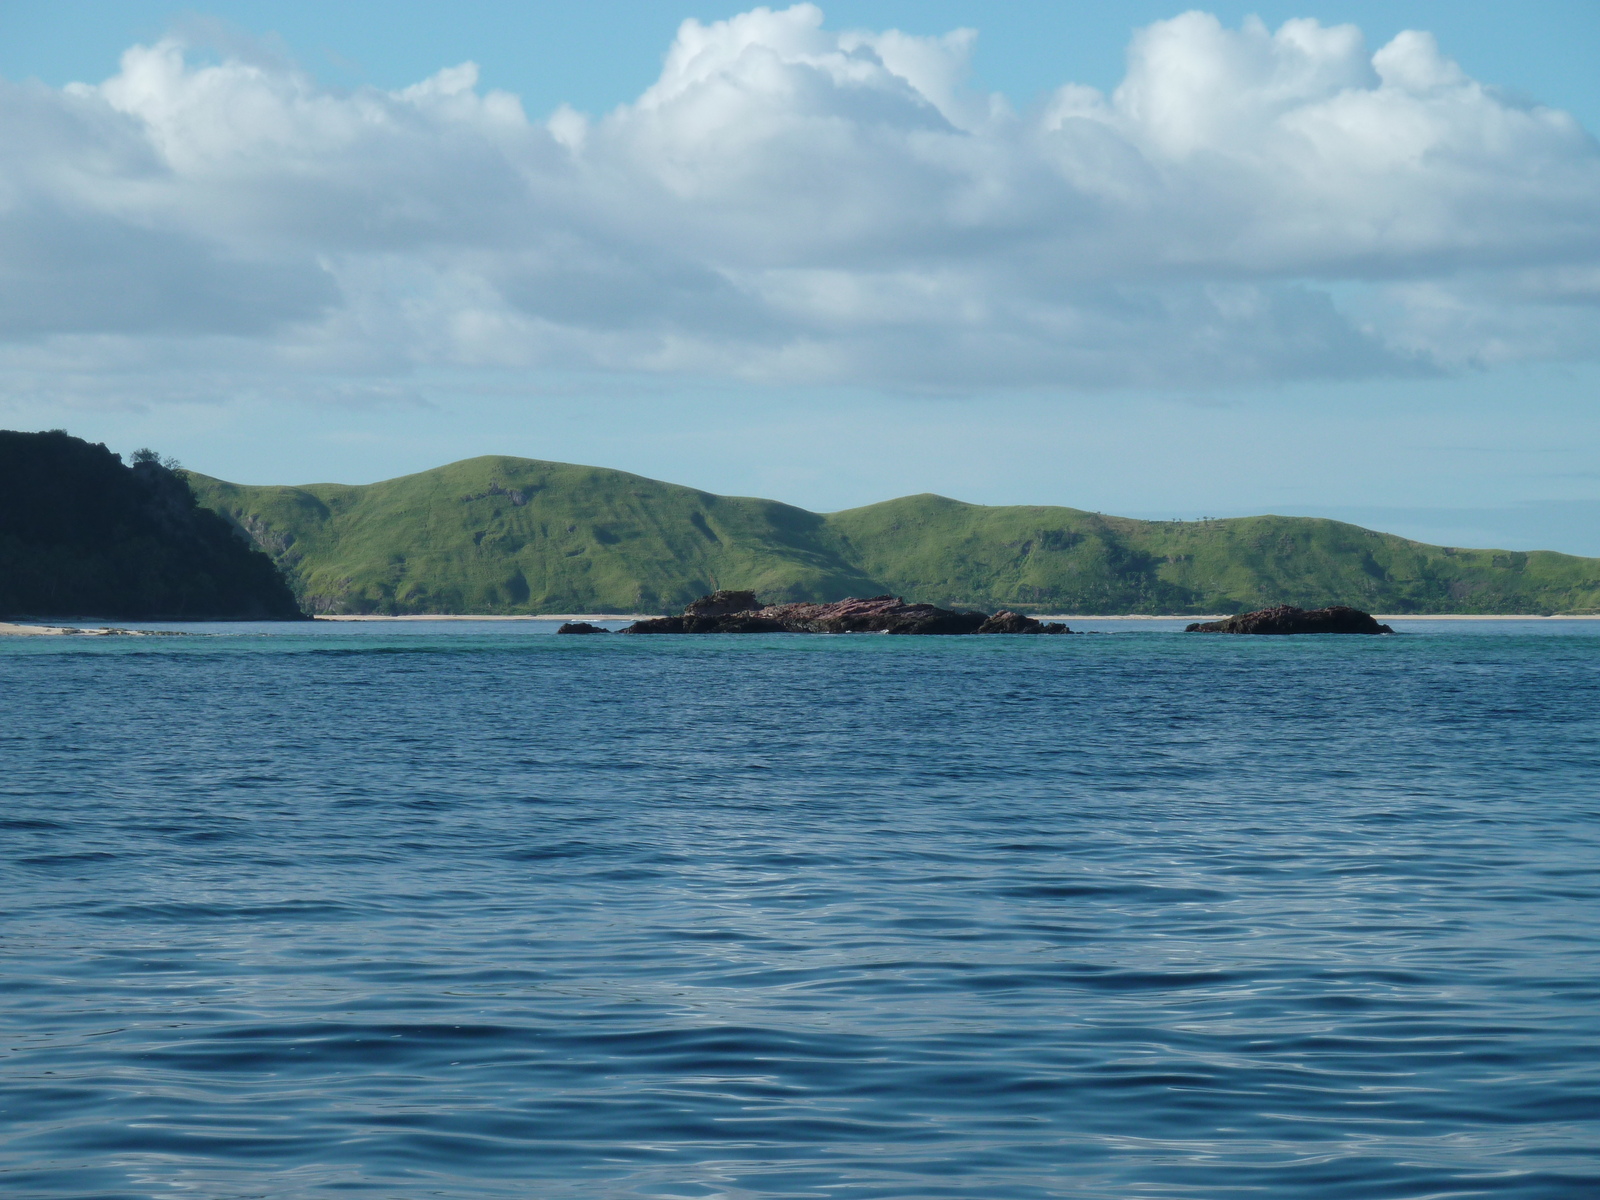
x=793, y=203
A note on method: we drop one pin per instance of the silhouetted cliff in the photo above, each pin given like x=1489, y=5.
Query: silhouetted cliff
x=83, y=535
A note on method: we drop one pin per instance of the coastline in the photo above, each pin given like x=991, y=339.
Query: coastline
x=1487, y=617
x=1375, y=616
x=1037, y=616
x=14, y=629
x=493, y=617
x=11, y=629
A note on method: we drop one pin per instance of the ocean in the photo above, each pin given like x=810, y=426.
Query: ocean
x=468, y=910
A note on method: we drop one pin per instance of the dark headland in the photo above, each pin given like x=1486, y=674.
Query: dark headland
x=84, y=535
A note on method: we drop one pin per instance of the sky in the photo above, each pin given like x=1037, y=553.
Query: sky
x=1335, y=259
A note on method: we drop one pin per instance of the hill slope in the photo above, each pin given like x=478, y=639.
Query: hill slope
x=504, y=535
x=1064, y=560
x=82, y=535
x=500, y=535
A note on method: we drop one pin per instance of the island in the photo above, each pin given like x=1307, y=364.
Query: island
x=1286, y=618
x=742, y=612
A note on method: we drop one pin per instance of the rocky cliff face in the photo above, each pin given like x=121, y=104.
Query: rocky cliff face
x=83, y=535
x=741, y=612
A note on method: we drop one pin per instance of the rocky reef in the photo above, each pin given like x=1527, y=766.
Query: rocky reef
x=1006, y=621
x=581, y=627
x=741, y=612
x=1285, y=618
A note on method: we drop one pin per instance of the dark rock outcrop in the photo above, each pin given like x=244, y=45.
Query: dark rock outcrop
x=741, y=612
x=722, y=604
x=581, y=627
x=1006, y=621
x=746, y=622
x=1285, y=618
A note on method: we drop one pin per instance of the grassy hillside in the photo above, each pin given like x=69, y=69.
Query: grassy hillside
x=1067, y=560
x=504, y=535
x=498, y=535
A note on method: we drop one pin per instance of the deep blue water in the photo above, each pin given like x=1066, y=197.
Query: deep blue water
x=469, y=910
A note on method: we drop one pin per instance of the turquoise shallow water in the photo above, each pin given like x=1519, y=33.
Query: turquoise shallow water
x=468, y=910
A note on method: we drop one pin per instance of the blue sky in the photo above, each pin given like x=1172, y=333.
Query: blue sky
x=1240, y=267
x=595, y=56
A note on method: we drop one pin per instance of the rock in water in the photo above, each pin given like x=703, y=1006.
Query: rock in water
x=741, y=622
x=1006, y=621
x=1286, y=618
x=741, y=612
x=874, y=614
x=581, y=627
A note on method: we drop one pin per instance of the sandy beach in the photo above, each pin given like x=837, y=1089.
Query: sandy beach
x=498, y=617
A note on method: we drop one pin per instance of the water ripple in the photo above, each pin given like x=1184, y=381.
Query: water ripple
x=483, y=912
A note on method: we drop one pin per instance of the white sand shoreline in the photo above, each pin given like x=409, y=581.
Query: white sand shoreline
x=499, y=617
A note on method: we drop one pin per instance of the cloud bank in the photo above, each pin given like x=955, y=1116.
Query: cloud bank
x=795, y=204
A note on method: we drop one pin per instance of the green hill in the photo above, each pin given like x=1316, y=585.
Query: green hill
x=1063, y=559
x=513, y=535
x=499, y=535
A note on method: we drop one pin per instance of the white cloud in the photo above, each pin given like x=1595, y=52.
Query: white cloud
x=794, y=203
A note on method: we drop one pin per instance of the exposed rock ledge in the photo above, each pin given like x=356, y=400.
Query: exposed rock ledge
x=1285, y=618
x=7, y=627
x=741, y=612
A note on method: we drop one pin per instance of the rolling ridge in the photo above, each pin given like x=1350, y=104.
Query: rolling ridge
x=503, y=535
